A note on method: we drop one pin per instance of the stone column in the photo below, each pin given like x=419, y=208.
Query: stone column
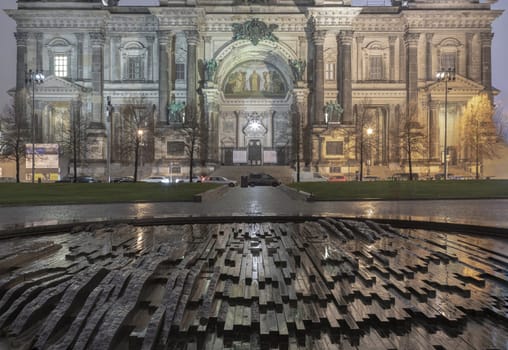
x=38, y=51
x=301, y=97
x=165, y=44
x=149, y=67
x=211, y=105
x=428, y=57
x=116, y=63
x=97, y=43
x=469, y=54
x=79, y=58
x=192, y=37
x=411, y=40
x=392, y=40
x=345, y=39
x=359, y=60
x=486, y=44
x=434, y=141
x=21, y=44
x=318, y=37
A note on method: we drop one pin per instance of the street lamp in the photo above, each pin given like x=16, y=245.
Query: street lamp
x=446, y=75
x=369, y=132
x=32, y=78
x=109, y=112
x=139, y=137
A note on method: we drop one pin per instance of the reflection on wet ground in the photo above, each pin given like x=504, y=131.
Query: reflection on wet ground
x=336, y=284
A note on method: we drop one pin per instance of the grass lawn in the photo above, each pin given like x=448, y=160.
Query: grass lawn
x=395, y=190
x=70, y=193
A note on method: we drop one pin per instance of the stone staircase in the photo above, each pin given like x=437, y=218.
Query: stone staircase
x=235, y=172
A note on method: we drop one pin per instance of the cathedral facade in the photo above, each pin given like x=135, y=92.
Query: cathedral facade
x=267, y=82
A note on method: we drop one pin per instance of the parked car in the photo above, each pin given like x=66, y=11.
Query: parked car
x=195, y=179
x=307, y=176
x=404, y=176
x=337, y=178
x=371, y=178
x=79, y=179
x=220, y=180
x=156, y=179
x=123, y=179
x=261, y=179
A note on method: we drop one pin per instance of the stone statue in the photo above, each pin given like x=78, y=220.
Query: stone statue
x=333, y=112
x=175, y=112
x=210, y=69
x=298, y=68
x=254, y=81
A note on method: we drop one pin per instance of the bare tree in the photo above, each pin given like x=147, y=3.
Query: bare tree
x=480, y=136
x=192, y=131
x=73, y=136
x=14, y=135
x=413, y=141
x=501, y=121
x=361, y=133
x=137, y=128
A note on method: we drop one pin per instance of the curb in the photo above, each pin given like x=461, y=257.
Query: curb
x=296, y=194
x=211, y=194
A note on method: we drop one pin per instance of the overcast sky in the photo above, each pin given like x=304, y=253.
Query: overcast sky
x=8, y=49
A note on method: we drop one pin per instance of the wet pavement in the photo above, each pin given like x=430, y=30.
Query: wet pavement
x=264, y=201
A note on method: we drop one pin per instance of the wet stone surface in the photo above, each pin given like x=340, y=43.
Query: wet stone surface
x=335, y=284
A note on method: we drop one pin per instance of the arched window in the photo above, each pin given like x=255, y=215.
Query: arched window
x=134, y=61
x=448, y=51
x=376, y=61
x=60, y=53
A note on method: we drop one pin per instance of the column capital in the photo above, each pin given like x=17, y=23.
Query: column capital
x=21, y=38
x=38, y=36
x=150, y=39
x=429, y=36
x=165, y=37
x=411, y=39
x=318, y=37
x=192, y=37
x=486, y=38
x=345, y=37
x=359, y=39
x=97, y=38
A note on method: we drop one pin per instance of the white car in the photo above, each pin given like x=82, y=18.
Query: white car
x=156, y=179
x=307, y=176
x=220, y=180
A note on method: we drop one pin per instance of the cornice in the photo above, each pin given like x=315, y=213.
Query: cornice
x=449, y=19
x=73, y=19
x=290, y=23
x=181, y=18
x=333, y=17
x=130, y=23
x=379, y=23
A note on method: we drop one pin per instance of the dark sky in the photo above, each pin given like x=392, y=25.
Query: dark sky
x=8, y=52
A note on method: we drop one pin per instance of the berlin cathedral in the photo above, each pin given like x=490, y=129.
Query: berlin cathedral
x=265, y=82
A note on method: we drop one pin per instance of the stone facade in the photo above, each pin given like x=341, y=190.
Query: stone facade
x=258, y=75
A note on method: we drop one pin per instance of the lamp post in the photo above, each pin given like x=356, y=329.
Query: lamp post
x=369, y=132
x=139, y=137
x=109, y=111
x=32, y=78
x=446, y=75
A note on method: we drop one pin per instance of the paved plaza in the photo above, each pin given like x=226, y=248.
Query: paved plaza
x=306, y=281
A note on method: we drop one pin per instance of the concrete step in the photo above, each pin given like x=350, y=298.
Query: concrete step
x=282, y=173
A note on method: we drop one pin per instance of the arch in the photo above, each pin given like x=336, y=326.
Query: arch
x=58, y=42
x=242, y=51
x=449, y=42
x=133, y=45
x=375, y=45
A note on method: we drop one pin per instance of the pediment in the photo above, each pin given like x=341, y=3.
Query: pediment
x=56, y=84
x=460, y=83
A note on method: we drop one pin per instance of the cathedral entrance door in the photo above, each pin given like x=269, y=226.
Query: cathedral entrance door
x=254, y=152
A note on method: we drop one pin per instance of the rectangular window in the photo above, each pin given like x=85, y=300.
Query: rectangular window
x=334, y=148
x=376, y=67
x=176, y=148
x=180, y=71
x=448, y=60
x=61, y=66
x=335, y=170
x=175, y=169
x=134, y=68
x=330, y=71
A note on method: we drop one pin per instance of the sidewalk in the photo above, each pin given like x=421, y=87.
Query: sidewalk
x=263, y=201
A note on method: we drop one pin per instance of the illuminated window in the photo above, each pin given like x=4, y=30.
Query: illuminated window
x=61, y=66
